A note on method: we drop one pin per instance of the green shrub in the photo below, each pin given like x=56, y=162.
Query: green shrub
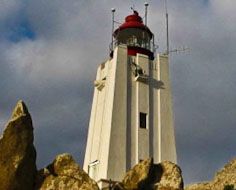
x=229, y=187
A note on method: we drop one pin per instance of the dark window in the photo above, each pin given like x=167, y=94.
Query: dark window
x=143, y=120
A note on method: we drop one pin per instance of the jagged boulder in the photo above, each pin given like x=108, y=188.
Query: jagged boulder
x=17, y=152
x=224, y=177
x=64, y=173
x=150, y=176
x=171, y=177
x=138, y=175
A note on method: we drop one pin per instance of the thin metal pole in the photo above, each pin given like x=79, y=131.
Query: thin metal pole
x=167, y=30
x=113, y=20
x=146, y=10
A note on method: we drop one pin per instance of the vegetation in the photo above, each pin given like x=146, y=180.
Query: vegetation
x=229, y=187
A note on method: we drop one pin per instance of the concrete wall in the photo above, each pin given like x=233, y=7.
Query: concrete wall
x=115, y=139
x=168, y=148
x=107, y=127
x=142, y=102
x=117, y=151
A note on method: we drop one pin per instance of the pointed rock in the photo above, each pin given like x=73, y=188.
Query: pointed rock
x=17, y=152
x=19, y=110
x=64, y=173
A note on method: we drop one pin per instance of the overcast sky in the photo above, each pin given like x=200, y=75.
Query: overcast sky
x=50, y=50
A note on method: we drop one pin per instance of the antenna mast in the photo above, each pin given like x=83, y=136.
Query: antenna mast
x=167, y=30
x=113, y=21
x=146, y=11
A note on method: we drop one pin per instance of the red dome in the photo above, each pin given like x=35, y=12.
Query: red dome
x=133, y=21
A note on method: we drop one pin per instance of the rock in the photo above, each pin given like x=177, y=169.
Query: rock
x=146, y=175
x=199, y=186
x=138, y=175
x=17, y=152
x=171, y=177
x=224, y=177
x=64, y=173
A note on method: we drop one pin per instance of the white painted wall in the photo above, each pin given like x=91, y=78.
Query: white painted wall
x=115, y=139
x=168, y=148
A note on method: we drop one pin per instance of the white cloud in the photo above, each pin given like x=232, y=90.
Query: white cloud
x=9, y=7
x=39, y=58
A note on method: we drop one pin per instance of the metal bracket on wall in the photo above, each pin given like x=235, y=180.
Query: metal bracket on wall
x=100, y=84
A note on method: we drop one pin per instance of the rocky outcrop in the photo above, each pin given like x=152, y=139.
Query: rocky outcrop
x=17, y=152
x=64, y=173
x=138, y=176
x=226, y=176
x=223, y=178
x=147, y=175
x=18, y=167
x=199, y=186
x=171, y=177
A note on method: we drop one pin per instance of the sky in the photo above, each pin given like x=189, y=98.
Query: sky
x=50, y=50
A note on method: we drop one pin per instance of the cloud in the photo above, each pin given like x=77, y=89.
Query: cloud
x=8, y=8
x=204, y=91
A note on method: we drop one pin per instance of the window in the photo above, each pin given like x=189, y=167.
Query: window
x=142, y=120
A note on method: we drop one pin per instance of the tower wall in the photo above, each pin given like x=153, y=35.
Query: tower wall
x=106, y=142
x=142, y=106
x=118, y=145
x=117, y=140
x=167, y=139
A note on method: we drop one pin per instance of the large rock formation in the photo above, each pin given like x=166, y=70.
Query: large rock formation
x=17, y=152
x=64, y=174
x=223, y=178
x=171, y=177
x=146, y=175
x=18, y=169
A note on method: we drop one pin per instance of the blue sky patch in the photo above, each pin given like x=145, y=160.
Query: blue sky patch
x=20, y=31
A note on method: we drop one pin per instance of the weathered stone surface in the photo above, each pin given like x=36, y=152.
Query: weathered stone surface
x=138, y=175
x=17, y=152
x=171, y=177
x=146, y=175
x=199, y=186
x=226, y=176
x=64, y=173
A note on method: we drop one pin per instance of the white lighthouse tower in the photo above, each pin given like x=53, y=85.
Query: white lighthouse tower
x=131, y=118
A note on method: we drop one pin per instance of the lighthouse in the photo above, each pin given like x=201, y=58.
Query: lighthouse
x=131, y=117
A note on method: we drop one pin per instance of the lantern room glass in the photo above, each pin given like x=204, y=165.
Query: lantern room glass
x=134, y=37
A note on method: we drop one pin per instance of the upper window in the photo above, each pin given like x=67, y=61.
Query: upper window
x=143, y=120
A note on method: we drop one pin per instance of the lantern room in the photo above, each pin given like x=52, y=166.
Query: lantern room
x=136, y=35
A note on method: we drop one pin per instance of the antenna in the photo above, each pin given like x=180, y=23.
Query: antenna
x=168, y=51
x=133, y=6
x=113, y=10
x=167, y=29
x=146, y=11
x=181, y=49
